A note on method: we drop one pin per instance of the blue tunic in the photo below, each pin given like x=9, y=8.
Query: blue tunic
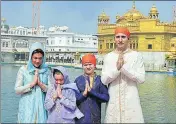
x=31, y=104
x=90, y=106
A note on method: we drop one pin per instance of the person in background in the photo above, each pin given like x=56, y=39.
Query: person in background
x=92, y=91
x=60, y=100
x=123, y=69
x=32, y=84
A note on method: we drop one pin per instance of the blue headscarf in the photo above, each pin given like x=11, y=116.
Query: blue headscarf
x=30, y=66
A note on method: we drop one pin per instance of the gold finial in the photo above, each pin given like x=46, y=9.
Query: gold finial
x=153, y=6
x=103, y=13
x=117, y=16
x=134, y=7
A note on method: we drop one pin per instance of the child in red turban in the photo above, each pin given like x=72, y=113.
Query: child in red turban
x=89, y=58
x=92, y=91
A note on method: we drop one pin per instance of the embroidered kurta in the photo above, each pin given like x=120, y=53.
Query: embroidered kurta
x=90, y=106
x=31, y=104
x=124, y=103
x=62, y=110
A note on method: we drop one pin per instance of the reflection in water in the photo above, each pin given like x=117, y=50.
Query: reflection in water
x=157, y=94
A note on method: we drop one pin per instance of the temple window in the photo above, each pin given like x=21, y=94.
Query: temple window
x=100, y=46
x=111, y=45
x=149, y=46
x=130, y=46
x=172, y=45
x=114, y=45
x=107, y=45
x=133, y=45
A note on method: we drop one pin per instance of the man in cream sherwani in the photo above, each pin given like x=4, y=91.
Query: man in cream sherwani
x=123, y=69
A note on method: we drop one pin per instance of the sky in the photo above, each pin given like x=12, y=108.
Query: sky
x=79, y=16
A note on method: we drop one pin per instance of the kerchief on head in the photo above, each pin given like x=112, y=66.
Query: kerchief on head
x=122, y=30
x=89, y=58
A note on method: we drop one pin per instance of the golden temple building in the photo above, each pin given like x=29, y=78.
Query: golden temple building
x=148, y=33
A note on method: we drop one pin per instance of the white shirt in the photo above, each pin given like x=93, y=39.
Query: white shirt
x=124, y=104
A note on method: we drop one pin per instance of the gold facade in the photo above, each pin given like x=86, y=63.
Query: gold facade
x=148, y=33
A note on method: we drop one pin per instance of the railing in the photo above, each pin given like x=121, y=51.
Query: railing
x=148, y=67
x=153, y=67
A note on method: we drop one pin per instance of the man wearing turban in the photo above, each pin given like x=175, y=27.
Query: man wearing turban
x=92, y=91
x=123, y=69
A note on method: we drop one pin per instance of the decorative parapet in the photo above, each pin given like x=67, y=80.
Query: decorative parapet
x=134, y=29
x=110, y=28
x=170, y=28
x=162, y=24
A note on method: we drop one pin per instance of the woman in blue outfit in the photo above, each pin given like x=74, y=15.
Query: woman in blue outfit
x=60, y=100
x=92, y=92
x=32, y=84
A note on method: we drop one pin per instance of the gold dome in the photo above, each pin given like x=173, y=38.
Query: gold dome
x=153, y=9
x=133, y=14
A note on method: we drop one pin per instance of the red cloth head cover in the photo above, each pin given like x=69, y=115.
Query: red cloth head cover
x=89, y=58
x=122, y=30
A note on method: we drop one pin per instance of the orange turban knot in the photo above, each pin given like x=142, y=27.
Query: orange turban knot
x=122, y=30
x=89, y=58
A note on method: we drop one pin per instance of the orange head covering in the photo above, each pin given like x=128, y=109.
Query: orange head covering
x=89, y=58
x=122, y=30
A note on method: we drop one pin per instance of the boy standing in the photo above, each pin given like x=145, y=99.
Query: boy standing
x=92, y=92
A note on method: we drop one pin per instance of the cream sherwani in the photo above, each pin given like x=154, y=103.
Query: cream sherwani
x=124, y=103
